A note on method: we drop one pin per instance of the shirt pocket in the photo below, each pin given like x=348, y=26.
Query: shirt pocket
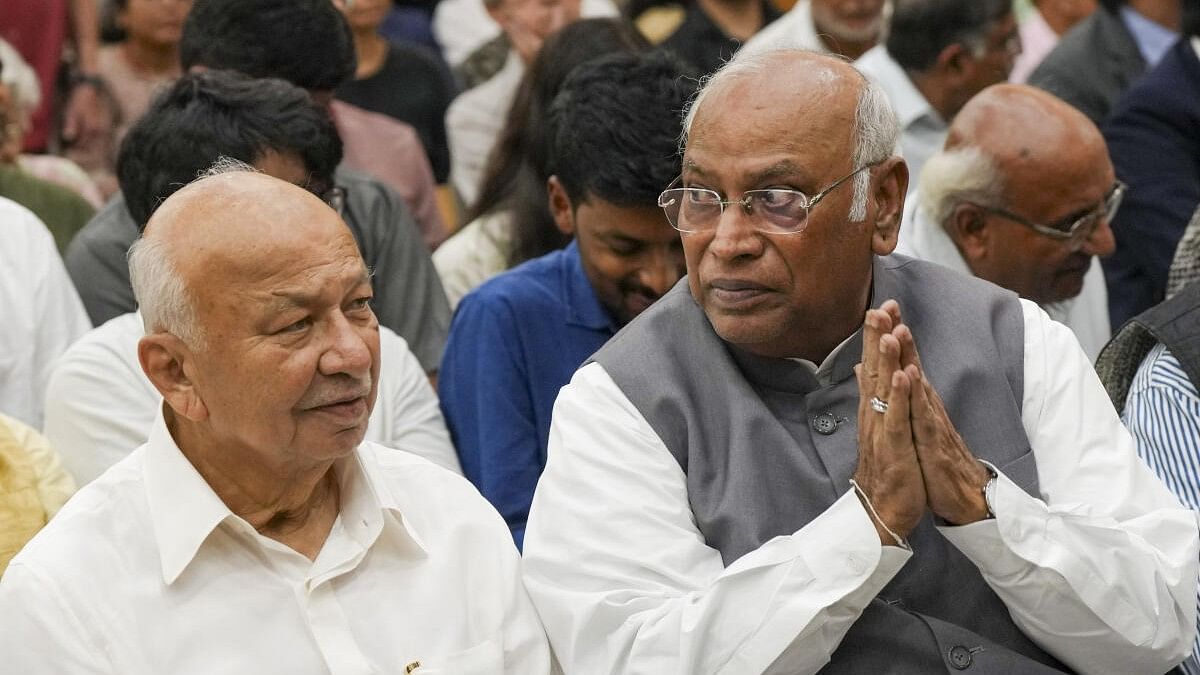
x=485, y=658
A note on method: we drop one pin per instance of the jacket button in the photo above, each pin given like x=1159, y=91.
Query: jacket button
x=960, y=657
x=824, y=424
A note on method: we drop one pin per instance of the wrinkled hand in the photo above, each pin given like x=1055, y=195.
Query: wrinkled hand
x=954, y=479
x=888, y=472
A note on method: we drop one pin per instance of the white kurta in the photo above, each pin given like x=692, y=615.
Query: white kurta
x=1100, y=569
x=145, y=571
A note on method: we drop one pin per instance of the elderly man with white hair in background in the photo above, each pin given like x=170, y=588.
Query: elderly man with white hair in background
x=1022, y=195
x=761, y=474
x=255, y=531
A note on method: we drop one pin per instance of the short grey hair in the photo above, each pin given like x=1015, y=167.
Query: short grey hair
x=959, y=176
x=876, y=128
x=164, y=300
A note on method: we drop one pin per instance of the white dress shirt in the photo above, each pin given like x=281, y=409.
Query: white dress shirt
x=793, y=30
x=146, y=571
x=1100, y=570
x=100, y=405
x=922, y=129
x=473, y=125
x=1085, y=314
x=41, y=312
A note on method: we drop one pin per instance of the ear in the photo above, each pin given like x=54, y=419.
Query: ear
x=954, y=61
x=561, y=207
x=968, y=228
x=889, y=187
x=168, y=364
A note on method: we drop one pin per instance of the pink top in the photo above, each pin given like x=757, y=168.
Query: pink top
x=391, y=151
x=1037, y=39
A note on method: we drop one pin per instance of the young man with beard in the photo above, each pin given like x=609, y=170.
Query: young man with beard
x=518, y=338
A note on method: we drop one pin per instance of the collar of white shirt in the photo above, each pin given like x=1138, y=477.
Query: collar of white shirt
x=185, y=510
x=908, y=101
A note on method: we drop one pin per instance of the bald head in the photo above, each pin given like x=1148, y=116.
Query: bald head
x=776, y=93
x=1025, y=130
x=223, y=228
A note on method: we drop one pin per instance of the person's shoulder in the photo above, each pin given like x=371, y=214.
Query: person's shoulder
x=528, y=289
x=88, y=538
x=111, y=225
x=111, y=343
x=433, y=490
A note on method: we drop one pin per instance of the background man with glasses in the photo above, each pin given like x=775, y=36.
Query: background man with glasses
x=723, y=494
x=1022, y=195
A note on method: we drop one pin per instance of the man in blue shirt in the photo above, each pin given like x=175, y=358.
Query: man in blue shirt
x=519, y=337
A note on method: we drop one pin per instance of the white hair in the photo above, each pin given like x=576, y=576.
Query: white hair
x=162, y=297
x=876, y=128
x=20, y=78
x=958, y=176
x=164, y=300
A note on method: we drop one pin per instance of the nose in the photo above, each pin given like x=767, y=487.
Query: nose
x=1100, y=241
x=734, y=235
x=347, y=351
x=663, y=267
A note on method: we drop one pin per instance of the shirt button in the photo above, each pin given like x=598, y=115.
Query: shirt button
x=824, y=424
x=855, y=564
x=960, y=657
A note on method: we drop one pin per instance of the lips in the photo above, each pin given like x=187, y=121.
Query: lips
x=736, y=293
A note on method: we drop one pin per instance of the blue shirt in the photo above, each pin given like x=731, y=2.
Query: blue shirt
x=1152, y=40
x=514, y=342
x=1163, y=415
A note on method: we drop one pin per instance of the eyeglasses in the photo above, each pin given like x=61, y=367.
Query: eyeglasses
x=1076, y=231
x=335, y=197
x=773, y=211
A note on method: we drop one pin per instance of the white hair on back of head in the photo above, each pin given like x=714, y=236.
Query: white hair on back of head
x=21, y=79
x=958, y=176
x=876, y=129
x=163, y=299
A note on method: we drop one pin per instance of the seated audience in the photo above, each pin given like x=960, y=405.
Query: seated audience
x=475, y=119
x=816, y=455
x=33, y=486
x=938, y=54
x=1151, y=369
x=283, y=132
x=42, y=312
x=833, y=26
x=713, y=30
x=611, y=147
x=316, y=52
x=1097, y=60
x=1023, y=196
x=1153, y=137
x=62, y=210
x=404, y=82
x=256, y=530
x=1044, y=23
x=463, y=26
x=511, y=221
x=144, y=62
x=26, y=95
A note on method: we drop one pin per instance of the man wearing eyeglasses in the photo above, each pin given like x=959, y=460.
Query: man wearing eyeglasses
x=818, y=456
x=1022, y=195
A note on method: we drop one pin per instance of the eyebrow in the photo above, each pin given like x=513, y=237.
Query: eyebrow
x=288, y=299
x=781, y=168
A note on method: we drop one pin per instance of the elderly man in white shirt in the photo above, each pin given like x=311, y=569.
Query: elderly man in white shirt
x=41, y=311
x=846, y=27
x=761, y=474
x=100, y=405
x=938, y=54
x=256, y=531
x=1022, y=195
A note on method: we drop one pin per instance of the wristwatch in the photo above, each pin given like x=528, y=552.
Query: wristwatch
x=989, y=490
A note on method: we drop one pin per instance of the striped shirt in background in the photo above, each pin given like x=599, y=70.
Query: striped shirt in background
x=1163, y=414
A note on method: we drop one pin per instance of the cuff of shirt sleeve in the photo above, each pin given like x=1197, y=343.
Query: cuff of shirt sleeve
x=983, y=542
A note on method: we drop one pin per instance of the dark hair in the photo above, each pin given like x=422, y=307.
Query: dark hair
x=614, y=128
x=306, y=42
x=516, y=173
x=1114, y=6
x=921, y=29
x=1190, y=25
x=213, y=114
